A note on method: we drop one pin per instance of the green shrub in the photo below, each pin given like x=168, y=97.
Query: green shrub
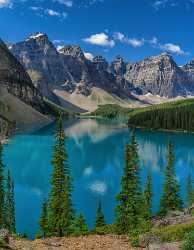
x=2, y=243
x=189, y=242
x=173, y=232
x=134, y=238
x=107, y=229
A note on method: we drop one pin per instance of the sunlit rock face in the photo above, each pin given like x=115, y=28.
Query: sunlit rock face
x=159, y=75
x=118, y=66
x=189, y=68
x=14, y=78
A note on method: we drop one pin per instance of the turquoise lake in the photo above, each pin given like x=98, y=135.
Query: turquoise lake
x=96, y=158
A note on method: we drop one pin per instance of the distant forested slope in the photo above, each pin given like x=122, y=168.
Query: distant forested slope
x=177, y=115
x=111, y=111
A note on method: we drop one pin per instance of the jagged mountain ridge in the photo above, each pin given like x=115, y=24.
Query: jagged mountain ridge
x=67, y=69
x=70, y=71
x=159, y=75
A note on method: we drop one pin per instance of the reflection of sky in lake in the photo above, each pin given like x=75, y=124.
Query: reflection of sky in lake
x=96, y=151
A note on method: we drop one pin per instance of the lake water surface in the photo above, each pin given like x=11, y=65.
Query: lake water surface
x=96, y=158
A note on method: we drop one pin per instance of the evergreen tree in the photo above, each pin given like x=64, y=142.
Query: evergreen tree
x=10, y=204
x=170, y=199
x=61, y=213
x=129, y=208
x=147, y=204
x=81, y=227
x=100, y=220
x=2, y=189
x=190, y=191
x=43, y=222
x=13, y=221
x=148, y=196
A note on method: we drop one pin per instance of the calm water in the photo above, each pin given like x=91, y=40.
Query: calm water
x=96, y=151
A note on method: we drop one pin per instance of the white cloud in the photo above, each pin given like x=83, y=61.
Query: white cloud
x=160, y=4
x=6, y=3
x=88, y=56
x=67, y=3
x=51, y=12
x=131, y=41
x=35, y=8
x=154, y=41
x=173, y=48
x=100, y=39
x=119, y=36
x=135, y=42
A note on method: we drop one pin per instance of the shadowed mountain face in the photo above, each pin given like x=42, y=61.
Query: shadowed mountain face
x=68, y=70
x=16, y=87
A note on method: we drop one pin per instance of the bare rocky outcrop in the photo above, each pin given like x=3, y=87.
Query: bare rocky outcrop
x=159, y=75
x=174, y=218
x=4, y=235
x=118, y=66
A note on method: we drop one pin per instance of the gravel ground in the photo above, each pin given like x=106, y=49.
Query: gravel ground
x=94, y=242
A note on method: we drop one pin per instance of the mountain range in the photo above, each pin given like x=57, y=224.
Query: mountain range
x=68, y=78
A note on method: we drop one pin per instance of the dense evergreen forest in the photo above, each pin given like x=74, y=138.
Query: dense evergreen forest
x=170, y=116
x=111, y=111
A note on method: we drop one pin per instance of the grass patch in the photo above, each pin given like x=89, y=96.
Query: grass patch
x=173, y=233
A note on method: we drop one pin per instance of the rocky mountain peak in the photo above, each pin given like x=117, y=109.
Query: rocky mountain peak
x=100, y=63
x=159, y=75
x=38, y=37
x=72, y=50
x=118, y=66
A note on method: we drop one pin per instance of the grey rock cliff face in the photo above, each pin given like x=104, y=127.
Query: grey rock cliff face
x=118, y=66
x=16, y=80
x=189, y=68
x=42, y=61
x=158, y=75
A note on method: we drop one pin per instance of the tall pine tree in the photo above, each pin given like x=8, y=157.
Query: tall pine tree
x=100, y=220
x=81, y=227
x=129, y=209
x=61, y=213
x=190, y=191
x=10, y=204
x=170, y=199
x=2, y=189
x=43, y=222
x=147, y=204
x=13, y=221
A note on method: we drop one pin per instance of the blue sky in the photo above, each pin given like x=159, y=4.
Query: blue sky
x=134, y=29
